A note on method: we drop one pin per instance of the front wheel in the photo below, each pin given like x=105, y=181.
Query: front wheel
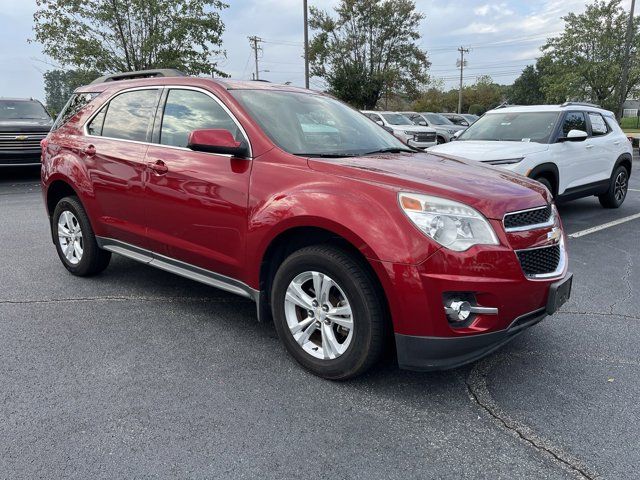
x=328, y=313
x=617, y=192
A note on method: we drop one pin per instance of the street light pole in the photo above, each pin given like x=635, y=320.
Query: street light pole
x=625, y=65
x=306, y=46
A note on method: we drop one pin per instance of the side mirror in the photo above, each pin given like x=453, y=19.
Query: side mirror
x=380, y=122
x=464, y=123
x=574, y=136
x=216, y=141
x=422, y=123
x=458, y=133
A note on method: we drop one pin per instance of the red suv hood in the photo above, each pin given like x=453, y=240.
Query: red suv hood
x=490, y=190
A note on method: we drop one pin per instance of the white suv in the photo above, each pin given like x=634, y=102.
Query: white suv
x=404, y=129
x=574, y=149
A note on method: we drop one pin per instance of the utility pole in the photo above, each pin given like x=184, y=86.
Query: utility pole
x=625, y=65
x=462, y=51
x=254, y=44
x=306, y=46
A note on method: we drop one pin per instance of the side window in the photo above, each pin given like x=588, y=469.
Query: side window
x=574, y=121
x=374, y=117
x=129, y=115
x=598, y=125
x=188, y=110
x=76, y=103
x=95, y=125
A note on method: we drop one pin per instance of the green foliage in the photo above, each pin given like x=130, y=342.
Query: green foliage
x=527, y=88
x=630, y=123
x=60, y=84
x=585, y=61
x=368, y=48
x=476, y=109
x=483, y=95
x=125, y=35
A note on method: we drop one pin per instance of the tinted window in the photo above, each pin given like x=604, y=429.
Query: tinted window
x=374, y=117
x=188, y=110
x=95, y=126
x=22, y=109
x=309, y=124
x=129, y=115
x=598, y=125
x=437, y=119
x=513, y=126
x=76, y=103
x=574, y=121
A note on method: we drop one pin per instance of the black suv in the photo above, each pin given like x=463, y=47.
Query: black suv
x=24, y=122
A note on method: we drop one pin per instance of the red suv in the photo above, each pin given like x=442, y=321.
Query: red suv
x=343, y=235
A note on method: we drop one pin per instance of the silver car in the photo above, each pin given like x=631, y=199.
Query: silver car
x=416, y=136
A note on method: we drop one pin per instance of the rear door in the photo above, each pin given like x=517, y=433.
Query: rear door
x=115, y=145
x=197, y=206
x=606, y=147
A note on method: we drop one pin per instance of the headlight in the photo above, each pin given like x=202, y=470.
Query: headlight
x=407, y=132
x=506, y=161
x=453, y=225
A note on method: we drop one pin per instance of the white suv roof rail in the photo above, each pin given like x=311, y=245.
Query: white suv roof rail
x=580, y=104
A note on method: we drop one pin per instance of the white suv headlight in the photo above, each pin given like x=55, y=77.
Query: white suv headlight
x=453, y=225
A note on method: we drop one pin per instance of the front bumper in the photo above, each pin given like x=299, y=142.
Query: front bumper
x=442, y=353
x=20, y=157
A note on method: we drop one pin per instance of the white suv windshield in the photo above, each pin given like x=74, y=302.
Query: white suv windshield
x=437, y=119
x=396, y=119
x=513, y=127
x=309, y=124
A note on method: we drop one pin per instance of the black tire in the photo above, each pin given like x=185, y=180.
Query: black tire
x=93, y=259
x=618, y=187
x=545, y=181
x=440, y=140
x=364, y=297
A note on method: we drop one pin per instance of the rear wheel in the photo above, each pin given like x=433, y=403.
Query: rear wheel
x=75, y=241
x=328, y=313
x=440, y=140
x=617, y=192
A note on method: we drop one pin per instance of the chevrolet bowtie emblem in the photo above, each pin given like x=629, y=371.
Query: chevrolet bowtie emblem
x=22, y=137
x=555, y=235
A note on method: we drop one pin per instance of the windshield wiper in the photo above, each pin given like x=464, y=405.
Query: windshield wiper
x=326, y=155
x=391, y=150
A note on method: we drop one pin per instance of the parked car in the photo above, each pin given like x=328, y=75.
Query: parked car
x=346, y=244
x=24, y=122
x=461, y=119
x=574, y=149
x=445, y=129
x=413, y=135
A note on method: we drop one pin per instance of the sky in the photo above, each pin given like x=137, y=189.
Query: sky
x=503, y=37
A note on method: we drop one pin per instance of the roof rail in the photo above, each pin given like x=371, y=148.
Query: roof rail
x=580, y=104
x=504, y=105
x=161, y=72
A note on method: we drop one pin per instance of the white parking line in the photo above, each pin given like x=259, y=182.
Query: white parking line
x=634, y=189
x=582, y=233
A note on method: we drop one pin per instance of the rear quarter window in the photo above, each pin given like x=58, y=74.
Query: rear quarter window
x=76, y=103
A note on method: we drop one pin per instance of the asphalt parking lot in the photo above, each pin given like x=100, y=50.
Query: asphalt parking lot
x=138, y=373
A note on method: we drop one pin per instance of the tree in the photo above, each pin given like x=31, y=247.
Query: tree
x=368, y=49
x=60, y=84
x=527, y=88
x=585, y=61
x=125, y=35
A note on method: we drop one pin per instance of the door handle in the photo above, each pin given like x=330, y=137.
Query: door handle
x=159, y=167
x=589, y=147
x=90, y=150
x=617, y=142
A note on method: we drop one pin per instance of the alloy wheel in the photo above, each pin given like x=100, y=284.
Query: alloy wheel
x=70, y=237
x=621, y=185
x=319, y=315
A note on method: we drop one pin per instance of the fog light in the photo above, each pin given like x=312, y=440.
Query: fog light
x=458, y=310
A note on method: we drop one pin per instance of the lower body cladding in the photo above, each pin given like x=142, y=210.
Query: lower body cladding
x=457, y=307
x=421, y=145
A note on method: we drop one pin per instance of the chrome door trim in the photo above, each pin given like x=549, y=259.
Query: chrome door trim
x=179, y=267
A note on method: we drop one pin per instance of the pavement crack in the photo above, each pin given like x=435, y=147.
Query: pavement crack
x=478, y=391
x=599, y=314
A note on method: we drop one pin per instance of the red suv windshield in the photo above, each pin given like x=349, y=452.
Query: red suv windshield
x=305, y=124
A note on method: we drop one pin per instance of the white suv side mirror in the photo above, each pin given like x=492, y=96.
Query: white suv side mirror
x=458, y=133
x=574, y=136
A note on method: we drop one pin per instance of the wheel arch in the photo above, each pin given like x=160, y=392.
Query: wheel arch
x=294, y=238
x=550, y=172
x=624, y=160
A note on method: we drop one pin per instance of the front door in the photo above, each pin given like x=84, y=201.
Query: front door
x=196, y=202
x=114, y=152
x=574, y=159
